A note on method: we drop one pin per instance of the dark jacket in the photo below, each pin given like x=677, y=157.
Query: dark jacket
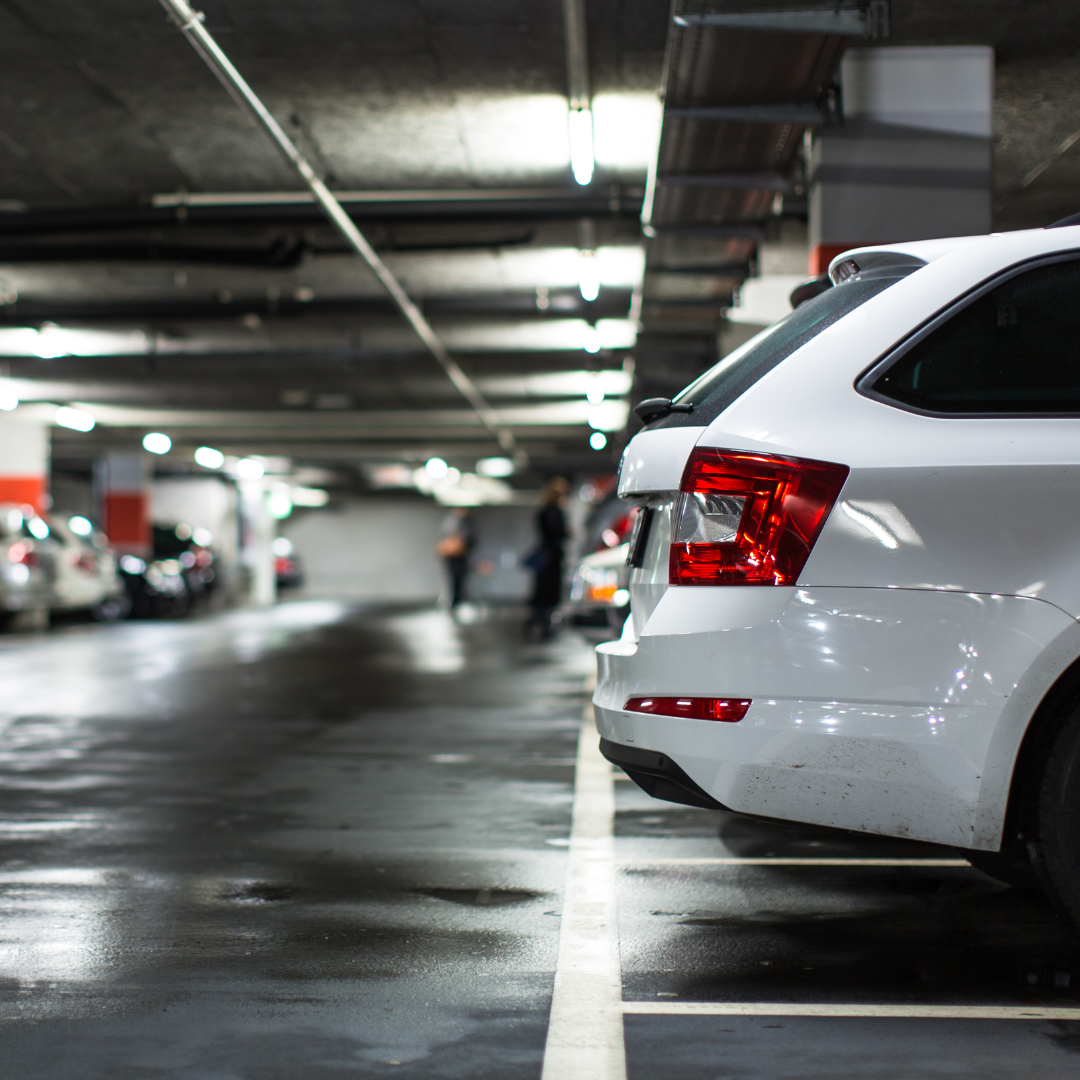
x=551, y=524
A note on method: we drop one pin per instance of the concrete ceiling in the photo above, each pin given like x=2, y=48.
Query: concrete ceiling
x=151, y=250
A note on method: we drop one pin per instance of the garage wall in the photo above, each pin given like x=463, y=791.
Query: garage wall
x=207, y=504
x=383, y=548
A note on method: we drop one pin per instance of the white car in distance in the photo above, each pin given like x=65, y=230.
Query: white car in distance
x=856, y=586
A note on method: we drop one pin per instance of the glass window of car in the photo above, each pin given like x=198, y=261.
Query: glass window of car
x=1012, y=348
x=714, y=391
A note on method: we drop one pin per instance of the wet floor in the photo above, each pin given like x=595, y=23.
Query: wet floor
x=324, y=841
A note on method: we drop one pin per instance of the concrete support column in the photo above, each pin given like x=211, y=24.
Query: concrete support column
x=259, y=533
x=24, y=462
x=123, y=481
x=912, y=159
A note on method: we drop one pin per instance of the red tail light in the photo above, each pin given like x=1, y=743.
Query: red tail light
x=749, y=519
x=23, y=553
x=728, y=710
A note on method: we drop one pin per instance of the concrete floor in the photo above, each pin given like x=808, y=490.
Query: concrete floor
x=319, y=842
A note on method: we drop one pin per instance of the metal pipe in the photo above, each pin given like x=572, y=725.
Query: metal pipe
x=577, y=55
x=191, y=25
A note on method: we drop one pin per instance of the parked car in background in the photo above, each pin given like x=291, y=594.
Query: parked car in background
x=181, y=574
x=599, y=585
x=599, y=589
x=24, y=575
x=855, y=598
x=82, y=569
x=287, y=567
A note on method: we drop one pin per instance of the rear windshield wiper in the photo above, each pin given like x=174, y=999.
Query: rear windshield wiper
x=656, y=408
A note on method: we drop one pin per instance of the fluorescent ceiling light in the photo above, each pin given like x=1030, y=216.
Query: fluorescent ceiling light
x=9, y=397
x=581, y=145
x=497, y=467
x=76, y=419
x=250, y=468
x=209, y=458
x=588, y=275
x=52, y=341
x=598, y=440
x=157, y=443
x=436, y=468
x=608, y=416
x=308, y=496
x=279, y=504
x=609, y=383
x=626, y=131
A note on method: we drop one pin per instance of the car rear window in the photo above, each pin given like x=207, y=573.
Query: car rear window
x=1011, y=348
x=714, y=391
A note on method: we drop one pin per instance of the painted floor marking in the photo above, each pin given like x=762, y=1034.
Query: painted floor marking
x=768, y=860
x=585, y=1032
x=783, y=1008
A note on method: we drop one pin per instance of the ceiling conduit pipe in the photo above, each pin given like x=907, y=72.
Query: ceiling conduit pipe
x=191, y=25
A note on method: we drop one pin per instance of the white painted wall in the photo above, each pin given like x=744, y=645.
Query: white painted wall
x=947, y=88
x=382, y=547
x=202, y=503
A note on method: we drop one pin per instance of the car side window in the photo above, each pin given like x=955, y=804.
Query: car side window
x=1013, y=349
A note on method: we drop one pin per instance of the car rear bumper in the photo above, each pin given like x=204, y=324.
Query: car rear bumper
x=882, y=710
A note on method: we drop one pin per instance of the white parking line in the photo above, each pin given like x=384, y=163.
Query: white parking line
x=768, y=860
x=585, y=1033
x=929, y=1012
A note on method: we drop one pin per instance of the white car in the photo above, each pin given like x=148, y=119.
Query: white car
x=83, y=569
x=856, y=591
x=598, y=593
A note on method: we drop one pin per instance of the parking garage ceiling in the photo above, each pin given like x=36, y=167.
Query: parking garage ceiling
x=160, y=261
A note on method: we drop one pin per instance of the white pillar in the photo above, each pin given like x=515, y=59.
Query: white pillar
x=912, y=160
x=260, y=530
x=24, y=461
x=124, y=483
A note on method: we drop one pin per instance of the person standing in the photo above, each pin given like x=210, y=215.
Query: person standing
x=547, y=561
x=457, y=538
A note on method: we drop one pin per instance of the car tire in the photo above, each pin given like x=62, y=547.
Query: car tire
x=1055, y=846
x=112, y=608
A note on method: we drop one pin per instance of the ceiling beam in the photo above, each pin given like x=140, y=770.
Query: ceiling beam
x=805, y=113
x=867, y=19
x=737, y=181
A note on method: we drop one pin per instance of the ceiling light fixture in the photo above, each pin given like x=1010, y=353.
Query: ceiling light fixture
x=9, y=397
x=495, y=466
x=157, y=443
x=250, y=469
x=436, y=468
x=49, y=344
x=588, y=275
x=581, y=146
x=76, y=419
x=591, y=340
x=209, y=458
x=598, y=440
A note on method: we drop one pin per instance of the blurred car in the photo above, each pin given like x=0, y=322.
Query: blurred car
x=24, y=575
x=599, y=590
x=600, y=584
x=287, y=569
x=82, y=569
x=181, y=574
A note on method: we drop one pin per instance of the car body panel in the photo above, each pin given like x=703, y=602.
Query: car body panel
x=986, y=529
x=873, y=709
x=893, y=685
x=654, y=460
